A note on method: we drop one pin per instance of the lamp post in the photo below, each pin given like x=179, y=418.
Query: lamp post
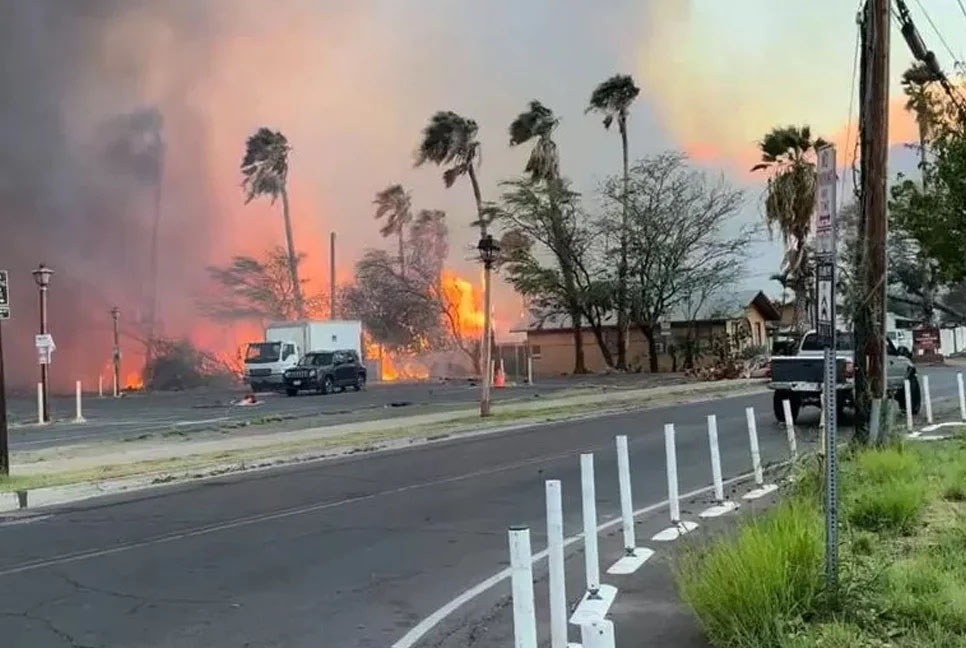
x=42, y=276
x=116, y=355
x=488, y=249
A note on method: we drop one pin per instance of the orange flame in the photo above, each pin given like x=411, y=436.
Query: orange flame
x=134, y=380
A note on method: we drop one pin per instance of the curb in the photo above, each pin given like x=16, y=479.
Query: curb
x=11, y=501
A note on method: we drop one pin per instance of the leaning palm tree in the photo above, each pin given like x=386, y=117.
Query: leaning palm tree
x=449, y=140
x=789, y=203
x=265, y=171
x=613, y=98
x=543, y=165
x=394, y=203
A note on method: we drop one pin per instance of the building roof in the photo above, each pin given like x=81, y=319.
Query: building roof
x=720, y=307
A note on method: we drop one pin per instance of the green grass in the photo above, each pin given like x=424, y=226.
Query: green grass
x=749, y=589
x=903, y=560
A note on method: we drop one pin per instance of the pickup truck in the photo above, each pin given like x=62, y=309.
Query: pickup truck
x=798, y=378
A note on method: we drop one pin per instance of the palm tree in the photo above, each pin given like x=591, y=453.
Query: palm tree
x=449, y=140
x=394, y=203
x=265, y=171
x=789, y=203
x=612, y=98
x=543, y=165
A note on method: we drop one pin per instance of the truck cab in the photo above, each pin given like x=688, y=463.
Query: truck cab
x=266, y=362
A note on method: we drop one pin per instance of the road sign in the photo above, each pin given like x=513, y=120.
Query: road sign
x=665, y=328
x=825, y=301
x=825, y=201
x=4, y=295
x=45, y=347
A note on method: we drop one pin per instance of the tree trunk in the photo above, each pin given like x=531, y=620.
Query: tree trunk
x=292, y=263
x=575, y=320
x=402, y=255
x=622, y=264
x=598, y=332
x=485, y=385
x=651, y=348
x=153, y=306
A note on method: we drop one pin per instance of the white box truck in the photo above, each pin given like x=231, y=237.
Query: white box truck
x=286, y=342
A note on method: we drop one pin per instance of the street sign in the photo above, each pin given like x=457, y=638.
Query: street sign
x=4, y=295
x=665, y=328
x=45, y=347
x=825, y=201
x=825, y=302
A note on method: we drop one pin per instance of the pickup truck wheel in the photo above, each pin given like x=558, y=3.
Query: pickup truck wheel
x=779, y=408
x=914, y=394
x=360, y=383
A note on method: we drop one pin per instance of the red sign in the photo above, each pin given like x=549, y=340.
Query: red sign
x=925, y=341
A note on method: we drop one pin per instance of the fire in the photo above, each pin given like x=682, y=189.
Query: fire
x=134, y=381
x=464, y=304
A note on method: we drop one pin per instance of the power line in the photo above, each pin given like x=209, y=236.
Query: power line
x=939, y=35
x=961, y=7
x=848, y=127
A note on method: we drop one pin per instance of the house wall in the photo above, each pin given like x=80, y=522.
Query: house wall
x=553, y=351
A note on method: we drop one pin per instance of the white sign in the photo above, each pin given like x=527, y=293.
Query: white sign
x=665, y=328
x=45, y=341
x=825, y=200
x=43, y=355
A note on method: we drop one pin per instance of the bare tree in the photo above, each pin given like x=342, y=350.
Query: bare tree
x=677, y=238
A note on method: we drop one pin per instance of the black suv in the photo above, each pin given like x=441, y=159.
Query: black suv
x=323, y=371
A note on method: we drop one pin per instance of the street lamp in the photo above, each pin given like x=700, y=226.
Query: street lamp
x=488, y=249
x=42, y=276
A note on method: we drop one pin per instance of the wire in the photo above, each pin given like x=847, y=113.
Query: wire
x=848, y=127
x=961, y=7
x=938, y=33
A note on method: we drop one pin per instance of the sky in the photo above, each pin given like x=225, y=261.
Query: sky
x=351, y=84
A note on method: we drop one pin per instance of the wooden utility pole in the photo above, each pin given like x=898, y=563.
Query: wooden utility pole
x=4, y=447
x=874, y=125
x=332, y=276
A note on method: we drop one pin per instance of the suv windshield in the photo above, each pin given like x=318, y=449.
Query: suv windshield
x=263, y=352
x=843, y=342
x=316, y=360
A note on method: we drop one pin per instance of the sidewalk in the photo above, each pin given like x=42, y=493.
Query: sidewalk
x=101, y=467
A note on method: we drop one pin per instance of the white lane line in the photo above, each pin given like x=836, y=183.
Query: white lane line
x=423, y=627
x=255, y=519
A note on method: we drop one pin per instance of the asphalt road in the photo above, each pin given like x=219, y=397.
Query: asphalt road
x=139, y=414
x=354, y=552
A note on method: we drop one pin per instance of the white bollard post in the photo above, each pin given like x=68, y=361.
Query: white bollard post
x=591, y=559
x=114, y=380
x=521, y=581
x=555, y=560
x=40, y=404
x=597, y=634
x=907, y=391
x=962, y=396
x=529, y=370
x=78, y=411
x=670, y=452
x=928, y=395
x=753, y=441
x=715, y=459
x=627, y=507
x=100, y=386
x=790, y=429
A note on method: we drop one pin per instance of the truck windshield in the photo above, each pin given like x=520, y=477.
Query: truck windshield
x=843, y=342
x=263, y=352
x=316, y=360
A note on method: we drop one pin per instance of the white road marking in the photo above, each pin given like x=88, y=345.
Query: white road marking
x=423, y=627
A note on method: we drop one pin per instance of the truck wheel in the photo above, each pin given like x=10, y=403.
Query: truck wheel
x=914, y=394
x=360, y=383
x=779, y=408
x=327, y=385
x=291, y=392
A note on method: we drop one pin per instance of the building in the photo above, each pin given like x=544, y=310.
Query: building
x=741, y=319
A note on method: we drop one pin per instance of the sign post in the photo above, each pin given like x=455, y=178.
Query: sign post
x=825, y=327
x=4, y=314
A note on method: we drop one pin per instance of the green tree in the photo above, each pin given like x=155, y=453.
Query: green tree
x=613, y=99
x=265, y=171
x=543, y=166
x=394, y=204
x=787, y=153
x=449, y=140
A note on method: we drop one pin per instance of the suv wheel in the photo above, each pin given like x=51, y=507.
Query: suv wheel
x=326, y=385
x=360, y=382
x=291, y=392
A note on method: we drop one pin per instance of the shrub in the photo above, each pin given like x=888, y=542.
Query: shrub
x=748, y=588
x=894, y=507
x=925, y=593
